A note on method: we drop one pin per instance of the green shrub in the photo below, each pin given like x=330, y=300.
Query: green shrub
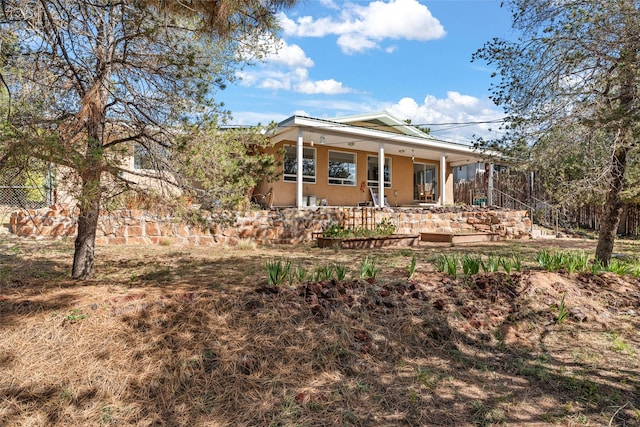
x=385, y=227
x=336, y=231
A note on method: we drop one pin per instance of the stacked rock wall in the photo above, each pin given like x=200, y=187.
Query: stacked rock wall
x=277, y=226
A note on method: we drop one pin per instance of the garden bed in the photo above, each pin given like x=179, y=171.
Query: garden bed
x=368, y=242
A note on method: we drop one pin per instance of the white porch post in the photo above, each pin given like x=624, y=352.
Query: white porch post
x=381, y=176
x=490, y=185
x=299, y=160
x=443, y=178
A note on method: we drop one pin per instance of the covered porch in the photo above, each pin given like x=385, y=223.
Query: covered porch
x=367, y=160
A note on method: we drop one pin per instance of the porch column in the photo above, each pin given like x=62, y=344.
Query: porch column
x=443, y=178
x=381, y=176
x=299, y=160
x=490, y=186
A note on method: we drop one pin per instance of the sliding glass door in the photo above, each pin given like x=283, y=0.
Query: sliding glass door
x=425, y=182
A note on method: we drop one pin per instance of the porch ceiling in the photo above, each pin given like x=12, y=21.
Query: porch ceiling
x=361, y=138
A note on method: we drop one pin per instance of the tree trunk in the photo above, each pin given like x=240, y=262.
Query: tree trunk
x=87, y=225
x=612, y=208
x=91, y=172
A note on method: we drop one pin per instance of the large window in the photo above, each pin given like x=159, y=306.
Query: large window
x=308, y=164
x=372, y=171
x=342, y=168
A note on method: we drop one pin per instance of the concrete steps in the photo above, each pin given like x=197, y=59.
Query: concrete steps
x=454, y=238
x=539, y=232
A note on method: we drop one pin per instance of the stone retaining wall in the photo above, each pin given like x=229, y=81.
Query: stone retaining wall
x=276, y=226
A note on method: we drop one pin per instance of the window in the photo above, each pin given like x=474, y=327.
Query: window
x=308, y=164
x=372, y=171
x=142, y=158
x=342, y=168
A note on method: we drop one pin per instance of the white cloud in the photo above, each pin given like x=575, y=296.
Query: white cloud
x=461, y=114
x=355, y=43
x=288, y=55
x=329, y=87
x=462, y=100
x=296, y=79
x=361, y=28
x=329, y=4
x=285, y=67
x=275, y=84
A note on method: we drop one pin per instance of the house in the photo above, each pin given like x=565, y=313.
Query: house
x=337, y=162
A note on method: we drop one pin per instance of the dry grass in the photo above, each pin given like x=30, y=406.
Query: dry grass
x=187, y=336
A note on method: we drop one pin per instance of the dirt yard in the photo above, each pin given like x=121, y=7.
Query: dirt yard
x=176, y=336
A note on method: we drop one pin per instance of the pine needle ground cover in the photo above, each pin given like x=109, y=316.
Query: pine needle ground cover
x=181, y=336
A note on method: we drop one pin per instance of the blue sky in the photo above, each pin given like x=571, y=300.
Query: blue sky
x=411, y=58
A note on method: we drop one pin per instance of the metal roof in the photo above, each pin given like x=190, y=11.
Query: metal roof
x=409, y=141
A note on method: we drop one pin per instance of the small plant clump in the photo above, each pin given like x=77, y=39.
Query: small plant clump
x=470, y=264
x=278, y=271
x=412, y=267
x=75, y=316
x=323, y=273
x=563, y=311
x=447, y=264
x=385, y=227
x=341, y=271
x=369, y=269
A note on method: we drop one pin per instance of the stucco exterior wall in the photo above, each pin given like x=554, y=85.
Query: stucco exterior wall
x=400, y=193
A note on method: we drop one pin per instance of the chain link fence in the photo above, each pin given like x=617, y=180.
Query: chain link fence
x=14, y=197
x=24, y=197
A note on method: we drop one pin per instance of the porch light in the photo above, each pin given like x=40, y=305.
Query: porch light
x=413, y=158
x=322, y=140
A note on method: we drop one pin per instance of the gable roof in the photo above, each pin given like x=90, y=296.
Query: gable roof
x=382, y=121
